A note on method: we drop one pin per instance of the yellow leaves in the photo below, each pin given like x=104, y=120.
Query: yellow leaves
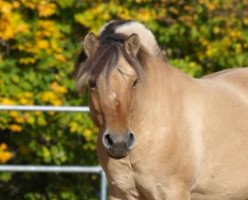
x=19, y=120
x=60, y=58
x=58, y=88
x=15, y=128
x=27, y=60
x=87, y=133
x=57, y=102
x=90, y=138
x=16, y=4
x=46, y=9
x=46, y=38
x=51, y=97
x=5, y=155
x=37, y=113
x=28, y=94
x=17, y=117
x=54, y=97
x=211, y=51
x=30, y=120
x=74, y=126
x=46, y=28
x=22, y=28
x=96, y=16
x=145, y=14
x=55, y=48
x=25, y=98
x=13, y=113
x=6, y=31
x=29, y=3
x=11, y=22
x=212, y=5
x=5, y=7
x=235, y=34
x=45, y=152
x=48, y=96
x=41, y=121
x=42, y=44
x=216, y=30
x=3, y=147
x=24, y=101
x=245, y=21
x=7, y=101
x=238, y=48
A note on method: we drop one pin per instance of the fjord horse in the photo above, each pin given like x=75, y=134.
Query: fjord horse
x=163, y=134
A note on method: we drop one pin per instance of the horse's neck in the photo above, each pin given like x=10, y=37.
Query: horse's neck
x=167, y=82
x=158, y=112
x=162, y=93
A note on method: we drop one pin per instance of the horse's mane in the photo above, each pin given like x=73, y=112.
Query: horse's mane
x=129, y=27
x=106, y=57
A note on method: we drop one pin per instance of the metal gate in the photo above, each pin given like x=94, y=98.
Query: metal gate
x=52, y=169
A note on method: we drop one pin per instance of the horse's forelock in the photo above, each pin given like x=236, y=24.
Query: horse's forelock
x=105, y=59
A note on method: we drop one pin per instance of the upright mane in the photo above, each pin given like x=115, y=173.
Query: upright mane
x=106, y=56
x=129, y=27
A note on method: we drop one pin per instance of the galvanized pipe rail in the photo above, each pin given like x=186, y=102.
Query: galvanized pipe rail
x=46, y=108
x=48, y=168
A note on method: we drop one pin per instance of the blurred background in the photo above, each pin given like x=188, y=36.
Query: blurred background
x=39, y=40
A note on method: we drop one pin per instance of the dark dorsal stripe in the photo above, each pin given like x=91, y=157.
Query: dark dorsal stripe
x=110, y=28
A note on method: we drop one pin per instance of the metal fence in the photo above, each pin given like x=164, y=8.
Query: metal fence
x=52, y=169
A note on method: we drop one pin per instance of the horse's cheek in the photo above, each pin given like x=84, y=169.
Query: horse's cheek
x=95, y=111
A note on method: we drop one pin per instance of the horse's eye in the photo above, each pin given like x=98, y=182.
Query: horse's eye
x=135, y=83
x=92, y=84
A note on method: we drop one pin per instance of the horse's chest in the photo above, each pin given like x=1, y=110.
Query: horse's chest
x=138, y=185
x=136, y=180
x=124, y=180
x=121, y=174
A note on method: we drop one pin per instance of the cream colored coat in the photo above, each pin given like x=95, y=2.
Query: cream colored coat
x=191, y=137
x=191, y=134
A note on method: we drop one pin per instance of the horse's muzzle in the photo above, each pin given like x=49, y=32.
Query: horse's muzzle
x=118, y=145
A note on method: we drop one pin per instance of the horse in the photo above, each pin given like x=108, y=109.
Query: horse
x=163, y=134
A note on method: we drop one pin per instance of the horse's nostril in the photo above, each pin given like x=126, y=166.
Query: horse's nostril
x=131, y=140
x=107, y=141
x=131, y=135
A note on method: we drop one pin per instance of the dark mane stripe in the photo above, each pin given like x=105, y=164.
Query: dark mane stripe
x=110, y=28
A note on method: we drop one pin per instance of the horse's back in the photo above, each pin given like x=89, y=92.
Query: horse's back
x=224, y=171
x=237, y=78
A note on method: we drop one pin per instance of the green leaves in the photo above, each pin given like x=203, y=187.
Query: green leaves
x=38, y=44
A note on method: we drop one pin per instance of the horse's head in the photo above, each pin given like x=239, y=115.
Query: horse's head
x=113, y=66
x=113, y=72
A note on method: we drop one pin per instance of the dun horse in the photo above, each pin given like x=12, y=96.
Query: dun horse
x=163, y=134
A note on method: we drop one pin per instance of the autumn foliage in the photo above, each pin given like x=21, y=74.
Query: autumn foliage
x=38, y=44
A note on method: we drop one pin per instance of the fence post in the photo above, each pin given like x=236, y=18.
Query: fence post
x=103, y=186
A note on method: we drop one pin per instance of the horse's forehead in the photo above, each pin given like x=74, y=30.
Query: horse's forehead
x=125, y=68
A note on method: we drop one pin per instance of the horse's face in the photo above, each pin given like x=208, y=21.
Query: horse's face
x=111, y=107
x=111, y=103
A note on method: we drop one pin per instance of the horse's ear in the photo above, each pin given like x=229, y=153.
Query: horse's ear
x=132, y=44
x=91, y=43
